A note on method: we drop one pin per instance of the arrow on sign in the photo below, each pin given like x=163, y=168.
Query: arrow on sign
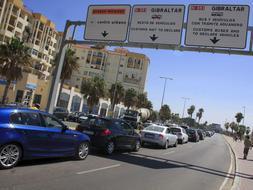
x=153, y=38
x=104, y=34
x=215, y=40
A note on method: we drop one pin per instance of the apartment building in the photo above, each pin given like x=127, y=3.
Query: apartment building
x=121, y=65
x=41, y=36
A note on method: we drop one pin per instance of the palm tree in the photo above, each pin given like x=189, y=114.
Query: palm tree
x=149, y=105
x=239, y=117
x=141, y=100
x=233, y=126
x=70, y=64
x=116, y=95
x=93, y=90
x=191, y=110
x=226, y=126
x=165, y=113
x=130, y=98
x=200, y=114
x=14, y=56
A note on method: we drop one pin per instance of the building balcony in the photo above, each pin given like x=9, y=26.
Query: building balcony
x=42, y=75
x=132, y=80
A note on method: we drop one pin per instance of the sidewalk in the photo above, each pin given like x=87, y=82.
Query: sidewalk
x=244, y=168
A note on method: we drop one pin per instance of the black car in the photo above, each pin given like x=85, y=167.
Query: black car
x=110, y=134
x=201, y=134
x=74, y=116
x=61, y=113
x=193, y=135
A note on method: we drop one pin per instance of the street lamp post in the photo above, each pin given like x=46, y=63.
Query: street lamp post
x=164, y=88
x=185, y=99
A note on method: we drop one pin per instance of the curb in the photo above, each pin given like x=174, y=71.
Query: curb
x=236, y=181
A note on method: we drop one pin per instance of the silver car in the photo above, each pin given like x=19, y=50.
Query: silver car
x=159, y=135
x=181, y=134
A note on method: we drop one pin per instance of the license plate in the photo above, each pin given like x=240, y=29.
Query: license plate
x=150, y=136
x=88, y=132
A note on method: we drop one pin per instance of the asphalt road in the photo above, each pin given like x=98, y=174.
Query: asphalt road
x=193, y=166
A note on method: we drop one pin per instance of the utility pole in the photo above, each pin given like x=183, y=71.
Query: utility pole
x=244, y=108
x=185, y=99
x=164, y=88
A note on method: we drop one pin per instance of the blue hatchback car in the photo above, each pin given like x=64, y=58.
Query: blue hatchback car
x=31, y=134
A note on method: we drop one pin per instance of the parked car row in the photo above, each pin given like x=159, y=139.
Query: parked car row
x=32, y=134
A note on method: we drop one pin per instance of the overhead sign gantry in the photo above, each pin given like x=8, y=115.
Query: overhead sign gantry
x=210, y=28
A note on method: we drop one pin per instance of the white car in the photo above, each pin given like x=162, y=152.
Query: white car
x=181, y=134
x=159, y=135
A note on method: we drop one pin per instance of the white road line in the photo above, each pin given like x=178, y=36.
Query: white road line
x=168, y=152
x=98, y=169
x=230, y=167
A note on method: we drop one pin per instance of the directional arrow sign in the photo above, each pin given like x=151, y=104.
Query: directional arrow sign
x=215, y=40
x=153, y=38
x=107, y=22
x=104, y=34
x=222, y=26
x=157, y=24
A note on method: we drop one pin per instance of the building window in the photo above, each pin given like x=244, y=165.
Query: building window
x=19, y=96
x=85, y=73
x=89, y=57
x=130, y=63
x=37, y=99
x=77, y=79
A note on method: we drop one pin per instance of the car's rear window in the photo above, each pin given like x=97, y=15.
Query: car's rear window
x=191, y=131
x=154, y=128
x=96, y=121
x=175, y=130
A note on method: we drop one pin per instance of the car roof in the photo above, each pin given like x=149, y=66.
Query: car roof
x=15, y=109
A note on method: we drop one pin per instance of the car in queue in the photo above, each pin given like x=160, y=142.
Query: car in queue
x=158, y=135
x=75, y=116
x=110, y=134
x=31, y=134
x=61, y=113
x=193, y=135
x=201, y=134
x=181, y=134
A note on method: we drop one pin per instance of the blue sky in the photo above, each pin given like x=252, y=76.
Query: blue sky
x=221, y=84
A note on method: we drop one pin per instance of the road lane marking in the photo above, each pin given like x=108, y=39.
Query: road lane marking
x=230, y=167
x=168, y=152
x=98, y=169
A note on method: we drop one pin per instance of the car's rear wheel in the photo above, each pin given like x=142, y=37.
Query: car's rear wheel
x=165, y=146
x=83, y=151
x=109, y=148
x=175, y=145
x=137, y=146
x=10, y=155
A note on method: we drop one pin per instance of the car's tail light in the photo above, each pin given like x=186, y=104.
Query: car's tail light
x=160, y=136
x=106, y=132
